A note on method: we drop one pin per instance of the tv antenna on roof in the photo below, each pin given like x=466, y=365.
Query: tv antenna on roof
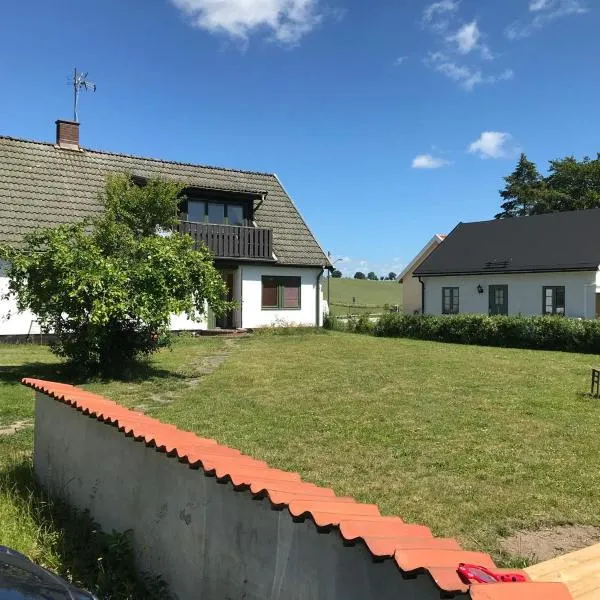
x=80, y=82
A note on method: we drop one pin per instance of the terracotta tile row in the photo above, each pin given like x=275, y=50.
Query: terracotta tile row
x=412, y=547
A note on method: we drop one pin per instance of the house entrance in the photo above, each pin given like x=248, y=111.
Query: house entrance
x=226, y=321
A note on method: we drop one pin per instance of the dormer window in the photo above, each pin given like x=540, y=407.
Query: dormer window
x=217, y=213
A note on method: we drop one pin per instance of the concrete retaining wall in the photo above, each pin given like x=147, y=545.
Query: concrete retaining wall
x=232, y=528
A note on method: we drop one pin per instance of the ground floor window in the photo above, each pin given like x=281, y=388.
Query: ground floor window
x=281, y=292
x=449, y=300
x=553, y=300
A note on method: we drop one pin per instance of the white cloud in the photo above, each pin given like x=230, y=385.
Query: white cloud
x=457, y=42
x=545, y=11
x=427, y=161
x=287, y=20
x=400, y=60
x=437, y=9
x=539, y=4
x=493, y=144
x=466, y=77
x=466, y=38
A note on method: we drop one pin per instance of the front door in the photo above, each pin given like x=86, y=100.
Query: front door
x=498, y=299
x=226, y=321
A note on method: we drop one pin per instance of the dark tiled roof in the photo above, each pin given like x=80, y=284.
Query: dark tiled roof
x=412, y=547
x=566, y=241
x=42, y=185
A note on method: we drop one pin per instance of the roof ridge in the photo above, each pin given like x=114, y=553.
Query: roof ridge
x=522, y=218
x=140, y=157
x=413, y=549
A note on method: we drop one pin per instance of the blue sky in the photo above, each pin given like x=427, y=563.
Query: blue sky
x=387, y=121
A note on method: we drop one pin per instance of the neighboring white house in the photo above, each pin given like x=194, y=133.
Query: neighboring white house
x=263, y=248
x=411, y=288
x=544, y=264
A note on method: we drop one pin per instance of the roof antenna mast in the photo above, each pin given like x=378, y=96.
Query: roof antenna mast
x=80, y=82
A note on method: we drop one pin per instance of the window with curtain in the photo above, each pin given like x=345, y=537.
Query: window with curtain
x=281, y=293
x=553, y=298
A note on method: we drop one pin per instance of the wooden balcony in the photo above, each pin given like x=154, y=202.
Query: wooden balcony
x=231, y=241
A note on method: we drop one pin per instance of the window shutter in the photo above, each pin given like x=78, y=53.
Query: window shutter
x=291, y=292
x=269, y=292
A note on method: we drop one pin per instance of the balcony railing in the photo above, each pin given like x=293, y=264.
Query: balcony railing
x=231, y=241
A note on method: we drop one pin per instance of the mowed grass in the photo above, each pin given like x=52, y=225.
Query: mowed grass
x=473, y=442
x=354, y=294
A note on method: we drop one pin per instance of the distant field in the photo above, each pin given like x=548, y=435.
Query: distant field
x=362, y=295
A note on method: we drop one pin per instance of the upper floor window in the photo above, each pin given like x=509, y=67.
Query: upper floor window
x=554, y=300
x=449, y=300
x=219, y=213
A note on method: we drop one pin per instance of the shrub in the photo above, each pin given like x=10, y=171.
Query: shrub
x=360, y=324
x=544, y=333
x=106, y=288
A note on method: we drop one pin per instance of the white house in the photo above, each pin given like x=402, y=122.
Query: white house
x=263, y=248
x=544, y=264
x=411, y=289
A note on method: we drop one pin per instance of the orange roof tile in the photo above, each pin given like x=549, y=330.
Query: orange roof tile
x=412, y=547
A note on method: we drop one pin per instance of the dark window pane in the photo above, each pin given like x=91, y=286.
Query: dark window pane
x=216, y=213
x=291, y=293
x=269, y=292
x=449, y=300
x=196, y=210
x=235, y=214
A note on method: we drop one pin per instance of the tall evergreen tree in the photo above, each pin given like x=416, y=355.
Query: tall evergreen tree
x=524, y=186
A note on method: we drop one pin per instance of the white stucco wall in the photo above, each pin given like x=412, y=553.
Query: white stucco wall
x=254, y=316
x=13, y=322
x=247, y=282
x=181, y=322
x=524, y=292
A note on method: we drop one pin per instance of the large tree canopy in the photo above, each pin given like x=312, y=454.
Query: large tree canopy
x=570, y=185
x=107, y=287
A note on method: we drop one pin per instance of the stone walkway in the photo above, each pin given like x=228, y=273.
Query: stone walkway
x=208, y=365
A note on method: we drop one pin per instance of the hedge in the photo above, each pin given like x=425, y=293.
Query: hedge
x=540, y=333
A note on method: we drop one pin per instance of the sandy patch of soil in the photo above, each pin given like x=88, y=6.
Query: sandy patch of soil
x=545, y=544
x=14, y=427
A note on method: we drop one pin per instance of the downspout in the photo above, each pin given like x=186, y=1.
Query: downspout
x=241, y=272
x=422, y=296
x=318, y=319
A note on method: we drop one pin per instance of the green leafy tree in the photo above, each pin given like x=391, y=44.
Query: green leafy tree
x=107, y=287
x=573, y=185
x=372, y=276
x=392, y=276
x=336, y=274
x=359, y=275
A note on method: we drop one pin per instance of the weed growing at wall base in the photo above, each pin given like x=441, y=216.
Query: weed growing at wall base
x=68, y=542
x=537, y=333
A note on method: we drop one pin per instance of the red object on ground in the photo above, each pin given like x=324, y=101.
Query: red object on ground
x=479, y=574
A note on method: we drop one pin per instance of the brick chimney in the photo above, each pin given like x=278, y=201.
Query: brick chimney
x=67, y=135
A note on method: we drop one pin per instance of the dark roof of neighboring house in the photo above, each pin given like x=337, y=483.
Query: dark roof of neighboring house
x=566, y=241
x=42, y=185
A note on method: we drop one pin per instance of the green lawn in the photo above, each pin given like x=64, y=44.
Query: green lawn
x=474, y=442
x=361, y=295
